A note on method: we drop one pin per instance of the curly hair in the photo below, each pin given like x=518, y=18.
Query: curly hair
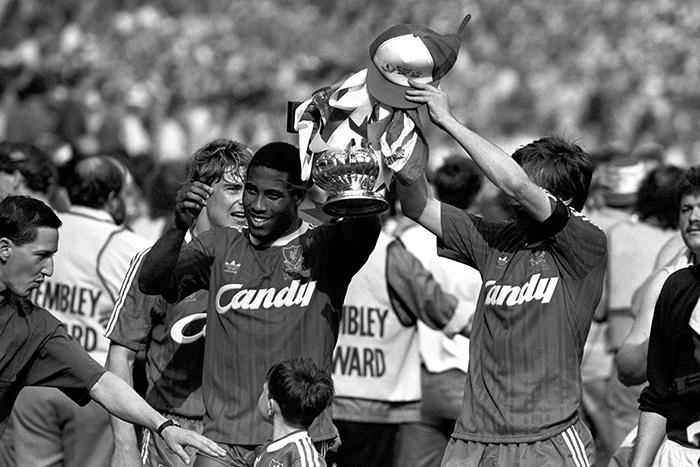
x=689, y=184
x=220, y=156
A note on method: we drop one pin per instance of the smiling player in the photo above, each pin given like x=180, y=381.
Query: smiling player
x=148, y=323
x=276, y=291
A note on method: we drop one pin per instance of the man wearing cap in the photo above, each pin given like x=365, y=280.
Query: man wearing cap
x=543, y=277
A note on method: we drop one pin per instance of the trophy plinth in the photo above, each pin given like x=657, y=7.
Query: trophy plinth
x=349, y=175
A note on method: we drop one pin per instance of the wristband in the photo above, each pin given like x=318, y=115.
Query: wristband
x=164, y=425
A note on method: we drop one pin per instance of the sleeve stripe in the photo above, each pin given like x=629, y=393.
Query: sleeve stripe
x=124, y=289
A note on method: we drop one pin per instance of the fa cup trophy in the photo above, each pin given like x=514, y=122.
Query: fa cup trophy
x=350, y=176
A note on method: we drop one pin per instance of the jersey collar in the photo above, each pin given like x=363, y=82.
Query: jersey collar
x=288, y=439
x=282, y=241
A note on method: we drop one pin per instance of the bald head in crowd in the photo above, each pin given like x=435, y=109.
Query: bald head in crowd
x=97, y=182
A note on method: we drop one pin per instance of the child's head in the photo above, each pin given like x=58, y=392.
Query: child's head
x=296, y=389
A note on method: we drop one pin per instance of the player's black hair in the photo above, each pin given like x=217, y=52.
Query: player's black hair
x=656, y=196
x=280, y=156
x=301, y=389
x=220, y=156
x=40, y=174
x=457, y=181
x=93, y=180
x=21, y=216
x=561, y=167
x=689, y=184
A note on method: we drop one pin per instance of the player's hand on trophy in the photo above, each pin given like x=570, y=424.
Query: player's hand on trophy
x=177, y=438
x=189, y=202
x=435, y=98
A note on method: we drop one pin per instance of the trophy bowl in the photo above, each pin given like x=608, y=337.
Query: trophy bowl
x=349, y=175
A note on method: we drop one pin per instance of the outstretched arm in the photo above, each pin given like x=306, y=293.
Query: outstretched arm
x=120, y=361
x=156, y=276
x=119, y=399
x=498, y=166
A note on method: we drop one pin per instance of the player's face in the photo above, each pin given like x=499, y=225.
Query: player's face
x=689, y=221
x=264, y=403
x=270, y=204
x=224, y=206
x=29, y=264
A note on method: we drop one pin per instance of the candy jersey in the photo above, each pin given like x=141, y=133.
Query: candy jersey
x=93, y=256
x=266, y=304
x=172, y=337
x=540, y=290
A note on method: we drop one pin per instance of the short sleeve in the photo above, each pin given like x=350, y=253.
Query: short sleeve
x=62, y=363
x=131, y=320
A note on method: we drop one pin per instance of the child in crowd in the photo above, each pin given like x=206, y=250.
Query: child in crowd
x=295, y=392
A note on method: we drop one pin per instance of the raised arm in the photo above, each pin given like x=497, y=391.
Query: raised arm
x=360, y=230
x=498, y=166
x=418, y=203
x=121, y=400
x=156, y=273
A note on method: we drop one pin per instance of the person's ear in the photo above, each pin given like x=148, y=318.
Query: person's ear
x=272, y=407
x=5, y=248
x=116, y=207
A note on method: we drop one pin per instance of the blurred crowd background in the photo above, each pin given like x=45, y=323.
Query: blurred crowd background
x=156, y=79
x=150, y=81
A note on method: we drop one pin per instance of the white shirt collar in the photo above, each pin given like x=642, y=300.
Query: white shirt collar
x=303, y=228
x=288, y=439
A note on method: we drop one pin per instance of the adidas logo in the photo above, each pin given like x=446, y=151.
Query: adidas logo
x=231, y=267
